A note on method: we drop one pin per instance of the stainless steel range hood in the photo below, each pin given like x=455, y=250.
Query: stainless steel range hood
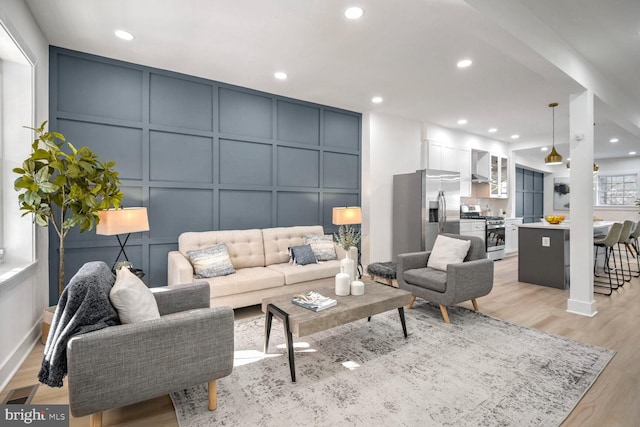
x=479, y=179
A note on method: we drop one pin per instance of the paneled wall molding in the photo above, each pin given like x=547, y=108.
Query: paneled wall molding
x=199, y=154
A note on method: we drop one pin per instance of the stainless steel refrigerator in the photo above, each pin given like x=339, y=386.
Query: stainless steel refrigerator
x=425, y=204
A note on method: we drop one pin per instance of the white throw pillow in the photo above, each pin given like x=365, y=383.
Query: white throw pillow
x=447, y=250
x=133, y=301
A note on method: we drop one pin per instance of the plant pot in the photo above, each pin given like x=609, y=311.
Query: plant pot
x=47, y=318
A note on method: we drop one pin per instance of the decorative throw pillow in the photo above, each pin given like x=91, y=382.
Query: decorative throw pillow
x=322, y=247
x=211, y=262
x=302, y=255
x=447, y=250
x=133, y=301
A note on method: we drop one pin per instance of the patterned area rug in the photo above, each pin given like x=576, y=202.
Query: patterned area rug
x=477, y=371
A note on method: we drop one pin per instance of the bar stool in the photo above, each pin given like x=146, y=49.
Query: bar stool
x=607, y=243
x=632, y=245
x=624, y=236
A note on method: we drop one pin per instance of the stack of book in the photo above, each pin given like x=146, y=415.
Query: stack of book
x=314, y=301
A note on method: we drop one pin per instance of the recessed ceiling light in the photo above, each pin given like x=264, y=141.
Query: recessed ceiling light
x=544, y=149
x=280, y=75
x=354, y=12
x=462, y=121
x=515, y=136
x=632, y=153
x=614, y=140
x=464, y=63
x=124, y=35
x=493, y=130
x=376, y=99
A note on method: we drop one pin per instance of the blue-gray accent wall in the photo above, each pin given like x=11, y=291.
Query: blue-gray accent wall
x=199, y=154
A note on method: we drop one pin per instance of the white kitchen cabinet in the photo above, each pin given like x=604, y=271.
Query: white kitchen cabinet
x=473, y=227
x=442, y=157
x=511, y=235
x=498, y=178
x=498, y=174
x=435, y=156
x=463, y=158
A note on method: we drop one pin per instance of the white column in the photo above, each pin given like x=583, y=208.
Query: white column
x=581, y=119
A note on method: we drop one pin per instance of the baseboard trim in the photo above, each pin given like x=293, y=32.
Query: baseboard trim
x=12, y=364
x=583, y=308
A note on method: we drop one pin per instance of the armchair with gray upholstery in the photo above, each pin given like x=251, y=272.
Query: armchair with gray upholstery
x=471, y=279
x=191, y=343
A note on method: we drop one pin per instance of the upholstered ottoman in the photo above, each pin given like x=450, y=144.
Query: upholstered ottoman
x=383, y=272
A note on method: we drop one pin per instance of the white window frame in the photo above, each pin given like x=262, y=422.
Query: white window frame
x=631, y=197
x=17, y=88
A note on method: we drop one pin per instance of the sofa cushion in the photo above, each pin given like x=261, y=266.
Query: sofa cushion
x=133, y=301
x=277, y=241
x=302, y=255
x=245, y=247
x=428, y=278
x=245, y=280
x=322, y=246
x=302, y=273
x=211, y=262
x=447, y=250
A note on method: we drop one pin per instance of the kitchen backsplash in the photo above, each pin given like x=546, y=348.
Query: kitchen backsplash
x=487, y=206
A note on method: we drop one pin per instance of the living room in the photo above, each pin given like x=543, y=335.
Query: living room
x=377, y=161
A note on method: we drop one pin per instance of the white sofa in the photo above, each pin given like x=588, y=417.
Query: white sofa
x=261, y=260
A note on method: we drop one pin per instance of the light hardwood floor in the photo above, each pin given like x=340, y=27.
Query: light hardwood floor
x=612, y=401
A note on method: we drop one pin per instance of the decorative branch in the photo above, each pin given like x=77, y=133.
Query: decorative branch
x=347, y=237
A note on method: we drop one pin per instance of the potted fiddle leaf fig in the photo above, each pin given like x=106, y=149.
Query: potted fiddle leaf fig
x=65, y=187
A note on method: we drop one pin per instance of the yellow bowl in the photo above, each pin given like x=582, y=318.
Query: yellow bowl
x=554, y=219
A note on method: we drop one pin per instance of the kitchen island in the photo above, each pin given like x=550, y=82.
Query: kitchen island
x=543, y=252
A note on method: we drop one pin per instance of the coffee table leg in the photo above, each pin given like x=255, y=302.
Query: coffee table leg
x=267, y=328
x=271, y=311
x=292, y=363
x=404, y=325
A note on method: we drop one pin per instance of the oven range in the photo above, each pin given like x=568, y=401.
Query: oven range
x=494, y=233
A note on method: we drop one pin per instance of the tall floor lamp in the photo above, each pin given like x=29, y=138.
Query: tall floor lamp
x=345, y=217
x=123, y=221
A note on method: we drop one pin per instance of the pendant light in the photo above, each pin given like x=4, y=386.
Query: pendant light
x=553, y=158
x=596, y=168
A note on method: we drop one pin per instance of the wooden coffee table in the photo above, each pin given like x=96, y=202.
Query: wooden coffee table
x=300, y=321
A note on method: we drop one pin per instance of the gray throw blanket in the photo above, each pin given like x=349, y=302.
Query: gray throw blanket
x=84, y=306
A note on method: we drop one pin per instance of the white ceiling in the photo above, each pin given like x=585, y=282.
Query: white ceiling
x=405, y=51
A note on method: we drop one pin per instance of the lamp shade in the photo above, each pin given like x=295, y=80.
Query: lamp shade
x=553, y=158
x=347, y=215
x=122, y=221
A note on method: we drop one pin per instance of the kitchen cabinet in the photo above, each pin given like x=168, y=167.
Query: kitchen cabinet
x=473, y=227
x=504, y=175
x=511, y=235
x=442, y=157
x=498, y=174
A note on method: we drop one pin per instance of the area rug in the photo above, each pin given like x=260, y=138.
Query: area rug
x=476, y=371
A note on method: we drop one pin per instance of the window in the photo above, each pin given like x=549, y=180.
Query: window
x=16, y=111
x=617, y=190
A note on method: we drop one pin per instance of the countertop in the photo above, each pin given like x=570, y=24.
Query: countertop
x=563, y=225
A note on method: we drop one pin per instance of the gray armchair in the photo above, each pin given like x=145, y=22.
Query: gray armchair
x=119, y=365
x=468, y=280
